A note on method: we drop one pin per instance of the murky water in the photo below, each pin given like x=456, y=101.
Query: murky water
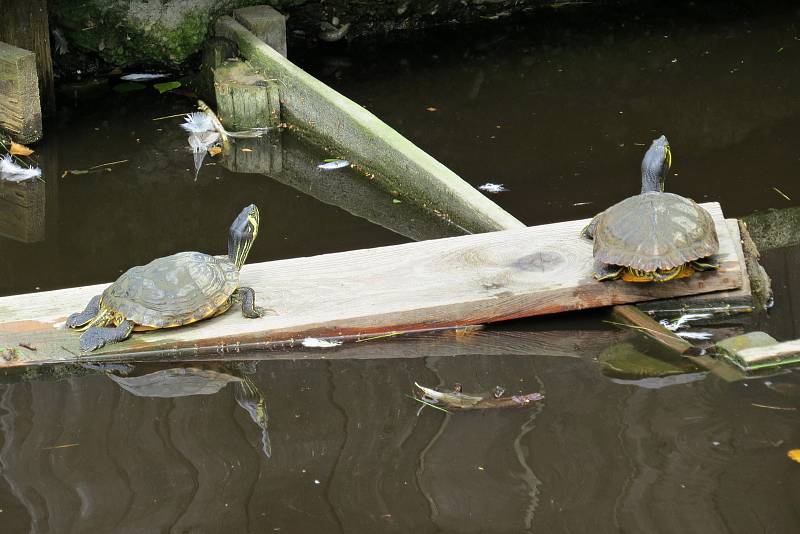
x=561, y=116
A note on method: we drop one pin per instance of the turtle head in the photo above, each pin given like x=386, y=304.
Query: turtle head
x=655, y=165
x=242, y=234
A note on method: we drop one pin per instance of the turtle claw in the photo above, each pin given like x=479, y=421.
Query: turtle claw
x=91, y=340
x=78, y=319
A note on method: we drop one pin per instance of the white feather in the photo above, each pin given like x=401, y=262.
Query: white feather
x=683, y=319
x=13, y=172
x=489, y=187
x=321, y=343
x=695, y=335
x=197, y=122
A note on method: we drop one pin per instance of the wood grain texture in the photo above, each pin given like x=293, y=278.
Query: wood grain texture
x=25, y=24
x=448, y=282
x=22, y=210
x=20, y=109
x=777, y=352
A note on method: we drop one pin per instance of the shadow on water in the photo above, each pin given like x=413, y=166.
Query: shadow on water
x=624, y=441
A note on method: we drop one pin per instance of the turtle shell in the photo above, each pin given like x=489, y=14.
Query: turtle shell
x=654, y=231
x=173, y=290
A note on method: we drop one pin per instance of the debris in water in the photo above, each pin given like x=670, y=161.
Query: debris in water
x=794, y=454
x=457, y=400
x=61, y=45
x=781, y=193
x=197, y=122
x=489, y=187
x=313, y=342
x=28, y=346
x=20, y=150
x=582, y=203
x=682, y=320
x=331, y=33
x=431, y=109
x=13, y=172
x=334, y=164
x=141, y=77
x=695, y=335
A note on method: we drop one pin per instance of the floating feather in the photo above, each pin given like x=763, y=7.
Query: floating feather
x=13, y=172
x=335, y=164
x=493, y=188
x=683, y=319
x=198, y=122
x=695, y=335
x=321, y=343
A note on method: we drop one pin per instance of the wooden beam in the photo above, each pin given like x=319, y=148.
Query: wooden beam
x=20, y=109
x=415, y=286
x=770, y=355
x=245, y=98
x=25, y=24
x=22, y=205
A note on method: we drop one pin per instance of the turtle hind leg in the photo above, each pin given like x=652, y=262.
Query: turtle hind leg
x=247, y=297
x=98, y=336
x=608, y=272
x=704, y=264
x=79, y=319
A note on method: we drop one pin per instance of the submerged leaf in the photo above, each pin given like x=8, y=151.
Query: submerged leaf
x=166, y=86
x=128, y=87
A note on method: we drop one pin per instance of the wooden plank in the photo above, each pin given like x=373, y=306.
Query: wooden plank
x=433, y=284
x=20, y=110
x=25, y=24
x=245, y=98
x=785, y=352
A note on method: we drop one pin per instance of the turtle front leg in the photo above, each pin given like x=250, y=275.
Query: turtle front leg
x=98, y=336
x=79, y=319
x=247, y=297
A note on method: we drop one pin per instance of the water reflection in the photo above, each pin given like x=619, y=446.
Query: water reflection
x=185, y=381
x=22, y=210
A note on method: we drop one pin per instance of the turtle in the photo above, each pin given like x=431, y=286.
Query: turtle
x=653, y=236
x=172, y=291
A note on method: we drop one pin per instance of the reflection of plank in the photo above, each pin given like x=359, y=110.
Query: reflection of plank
x=20, y=111
x=440, y=283
x=22, y=210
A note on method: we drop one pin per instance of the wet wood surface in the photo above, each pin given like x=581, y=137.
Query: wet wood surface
x=20, y=110
x=448, y=282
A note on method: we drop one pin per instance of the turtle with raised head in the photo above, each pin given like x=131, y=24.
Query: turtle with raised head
x=172, y=291
x=653, y=236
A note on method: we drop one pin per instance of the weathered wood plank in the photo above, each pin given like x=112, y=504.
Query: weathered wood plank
x=20, y=109
x=786, y=352
x=439, y=283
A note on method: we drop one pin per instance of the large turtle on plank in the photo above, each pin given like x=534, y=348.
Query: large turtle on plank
x=172, y=291
x=654, y=236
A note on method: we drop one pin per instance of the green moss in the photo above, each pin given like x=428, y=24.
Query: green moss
x=140, y=32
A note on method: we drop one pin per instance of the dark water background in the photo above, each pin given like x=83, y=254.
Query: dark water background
x=560, y=110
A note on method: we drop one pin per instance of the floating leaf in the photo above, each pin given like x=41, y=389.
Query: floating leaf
x=136, y=77
x=396, y=201
x=166, y=86
x=247, y=150
x=20, y=150
x=431, y=109
x=215, y=150
x=128, y=87
x=794, y=454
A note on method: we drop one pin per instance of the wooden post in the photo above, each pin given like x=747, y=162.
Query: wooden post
x=266, y=23
x=25, y=25
x=20, y=111
x=245, y=98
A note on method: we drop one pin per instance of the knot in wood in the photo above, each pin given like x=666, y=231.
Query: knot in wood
x=540, y=261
